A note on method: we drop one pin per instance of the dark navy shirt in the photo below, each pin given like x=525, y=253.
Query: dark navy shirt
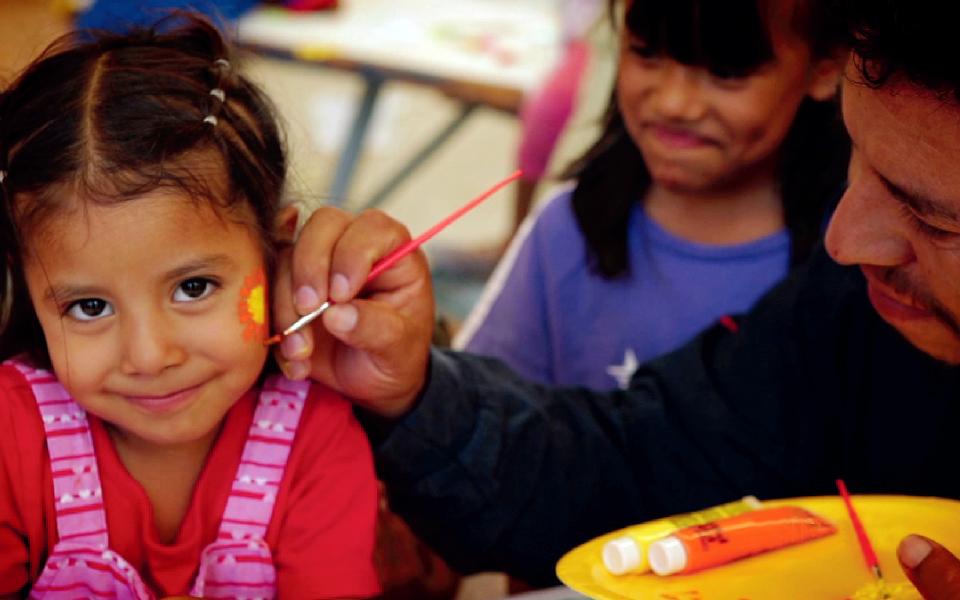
x=498, y=473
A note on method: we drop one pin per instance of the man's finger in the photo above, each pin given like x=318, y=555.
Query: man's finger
x=370, y=237
x=298, y=347
x=932, y=568
x=311, y=256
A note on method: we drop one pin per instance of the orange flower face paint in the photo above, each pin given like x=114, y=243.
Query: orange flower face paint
x=253, y=306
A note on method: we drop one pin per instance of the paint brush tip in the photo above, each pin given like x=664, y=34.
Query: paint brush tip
x=274, y=339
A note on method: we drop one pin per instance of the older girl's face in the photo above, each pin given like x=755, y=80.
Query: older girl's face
x=698, y=131
x=154, y=312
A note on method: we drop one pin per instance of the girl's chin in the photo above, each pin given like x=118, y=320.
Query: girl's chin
x=681, y=183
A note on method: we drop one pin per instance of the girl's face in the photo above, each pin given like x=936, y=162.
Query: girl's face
x=153, y=311
x=700, y=132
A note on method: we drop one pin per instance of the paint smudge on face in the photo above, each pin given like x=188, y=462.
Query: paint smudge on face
x=253, y=306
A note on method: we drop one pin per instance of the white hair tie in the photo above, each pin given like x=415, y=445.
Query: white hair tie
x=219, y=94
x=3, y=175
x=210, y=119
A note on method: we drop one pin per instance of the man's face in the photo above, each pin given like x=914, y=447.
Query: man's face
x=900, y=217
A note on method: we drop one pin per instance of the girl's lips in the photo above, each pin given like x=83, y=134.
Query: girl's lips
x=678, y=138
x=890, y=307
x=166, y=402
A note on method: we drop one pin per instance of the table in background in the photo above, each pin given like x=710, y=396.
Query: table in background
x=479, y=52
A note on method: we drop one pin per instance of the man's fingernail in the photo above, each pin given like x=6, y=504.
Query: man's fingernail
x=342, y=318
x=297, y=369
x=913, y=549
x=306, y=299
x=339, y=286
x=293, y=346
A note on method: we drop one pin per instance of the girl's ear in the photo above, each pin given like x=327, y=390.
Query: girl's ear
x=285, y=224
x=825, y=77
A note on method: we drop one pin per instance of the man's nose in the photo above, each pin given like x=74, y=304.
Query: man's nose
x=151, y=345
x=867, y=228
x=677, y=95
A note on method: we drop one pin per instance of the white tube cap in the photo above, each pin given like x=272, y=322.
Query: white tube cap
x=622, y=555
x=667, y=556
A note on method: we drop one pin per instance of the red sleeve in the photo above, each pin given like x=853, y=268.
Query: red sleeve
x=24, y=473
x=325, y=536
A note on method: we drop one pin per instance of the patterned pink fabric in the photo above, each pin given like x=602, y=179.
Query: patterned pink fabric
x=237, y=565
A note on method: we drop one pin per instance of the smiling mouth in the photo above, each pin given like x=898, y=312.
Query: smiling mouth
x=677, y=137
x=162, y=402
x=893, y=306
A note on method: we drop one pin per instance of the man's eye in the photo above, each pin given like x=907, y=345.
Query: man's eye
x=934, y=232
x=927, y=229
x=193, y=289
x=89, y=309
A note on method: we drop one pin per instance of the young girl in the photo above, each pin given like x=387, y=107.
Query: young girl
x=148, y=448
x=721, y=150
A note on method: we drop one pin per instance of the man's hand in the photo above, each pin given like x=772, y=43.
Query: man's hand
x=932, y=569
x=373, y=344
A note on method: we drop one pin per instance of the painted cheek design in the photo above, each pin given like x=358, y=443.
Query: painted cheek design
x=253, y=306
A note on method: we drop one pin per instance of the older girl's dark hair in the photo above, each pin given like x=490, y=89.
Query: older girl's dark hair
x=105, y=118
x=729, y=38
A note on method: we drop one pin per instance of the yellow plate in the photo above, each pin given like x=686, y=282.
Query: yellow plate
x=830, y=568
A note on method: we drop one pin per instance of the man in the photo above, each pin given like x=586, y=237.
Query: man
x=849, y=369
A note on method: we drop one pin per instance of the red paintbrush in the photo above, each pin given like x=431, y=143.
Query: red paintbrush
x=865, y=546
x=392, y=258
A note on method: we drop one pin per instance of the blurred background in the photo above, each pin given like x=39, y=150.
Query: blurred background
x=450, y=75
x=410, y=106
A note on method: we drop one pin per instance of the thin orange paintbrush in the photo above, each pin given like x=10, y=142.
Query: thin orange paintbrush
x=392, y=258
x=866, y=548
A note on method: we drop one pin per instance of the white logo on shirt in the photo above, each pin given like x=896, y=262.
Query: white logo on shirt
x=624, y=372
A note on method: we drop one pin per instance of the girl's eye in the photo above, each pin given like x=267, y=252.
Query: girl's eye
x=193, y=289
x=89, y=309
x=641, y=49
x=729, y=77
x=726, y=74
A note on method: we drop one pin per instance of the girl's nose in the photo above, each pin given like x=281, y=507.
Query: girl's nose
x=151, y=345
x=678, y=94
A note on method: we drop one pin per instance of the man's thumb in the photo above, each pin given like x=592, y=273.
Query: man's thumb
x=932, y=569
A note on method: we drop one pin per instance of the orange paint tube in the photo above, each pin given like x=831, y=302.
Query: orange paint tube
x=725, y=540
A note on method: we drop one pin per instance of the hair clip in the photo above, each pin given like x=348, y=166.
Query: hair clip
x=222, y=62
x=210, y=119
x=219, y=94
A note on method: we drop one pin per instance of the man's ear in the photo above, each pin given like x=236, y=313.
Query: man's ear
x=825, y=78
x=285, y=224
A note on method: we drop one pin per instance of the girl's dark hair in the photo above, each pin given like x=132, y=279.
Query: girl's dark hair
x=728, y=38
x=105, y=118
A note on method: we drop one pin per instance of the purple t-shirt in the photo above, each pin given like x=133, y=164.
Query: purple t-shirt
x=554, y=320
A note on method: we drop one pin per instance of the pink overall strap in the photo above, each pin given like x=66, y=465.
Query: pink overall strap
x=239, y=563
x=264, y=458
x=76, y=480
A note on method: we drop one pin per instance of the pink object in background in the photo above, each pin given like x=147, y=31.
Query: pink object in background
x=546, y=112
x=307, y=5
